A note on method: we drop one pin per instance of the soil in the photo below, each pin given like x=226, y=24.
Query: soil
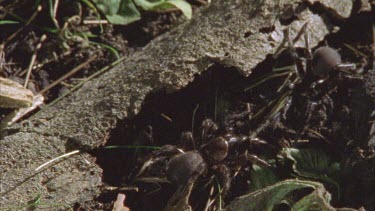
x=333, y=117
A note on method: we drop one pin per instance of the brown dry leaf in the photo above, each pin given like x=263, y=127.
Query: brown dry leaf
x=13, y=95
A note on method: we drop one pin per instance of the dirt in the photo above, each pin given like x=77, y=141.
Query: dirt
x=341, y=130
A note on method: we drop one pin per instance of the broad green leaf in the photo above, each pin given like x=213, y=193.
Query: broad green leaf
x=162, y=4
x=118, y=12
x=147, y=5
x=317, y=200
x=267, y=198
x=262, y=177
x=181, y=5
x=313, y=201
x=311, y=163
x=108, y=7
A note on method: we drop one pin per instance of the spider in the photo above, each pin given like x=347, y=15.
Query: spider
x=310, y=82
x=221, y=154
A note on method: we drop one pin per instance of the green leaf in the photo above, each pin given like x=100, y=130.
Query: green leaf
x=268, y=198
x=108, y=7
x=162, y=4
x=147, y=5
x=118, y=12
x=312, y=164
x=262, y=177
x=317, y=200
x=96, y=12
x=309, y=202
x=181, y=5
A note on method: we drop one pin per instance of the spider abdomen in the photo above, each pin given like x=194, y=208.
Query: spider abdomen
x=182, y=167
x=324, y=60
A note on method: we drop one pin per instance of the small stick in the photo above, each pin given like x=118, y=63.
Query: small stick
x=87, y=22
x=57, y=158
x=33, y=16
x=33, y=58
x=70, y=73
x=2, y=58
x=166, y=117
x=101, y=71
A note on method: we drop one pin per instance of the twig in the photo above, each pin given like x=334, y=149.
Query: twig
x=57, y=158
x=101, y=71
x=33, y=58
x=33, y=16
x=95, y=22
x=70, y=73
x=2, y=58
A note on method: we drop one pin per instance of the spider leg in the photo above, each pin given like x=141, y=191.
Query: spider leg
x=180, y=199
x=286, y=40
x=229, y=119
x=224, y=177
x=255, y=159
x=311, y=106
x=187, y=140
x=300, y=33
x=208, y=128
x=307, y=46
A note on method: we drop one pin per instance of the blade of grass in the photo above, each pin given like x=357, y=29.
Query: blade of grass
x=271, y=115
x=219, y=193
x=5, y=22
x=266, y=78
x=355, y=50
x=93, y=8
x=279, y=69
x=53, y=10
x=110, y=48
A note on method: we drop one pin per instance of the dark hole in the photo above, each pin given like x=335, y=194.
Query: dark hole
x=267, y=29
x=247, y=34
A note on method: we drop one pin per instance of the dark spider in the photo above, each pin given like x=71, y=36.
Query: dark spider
x=222, y=153
x=309, y=84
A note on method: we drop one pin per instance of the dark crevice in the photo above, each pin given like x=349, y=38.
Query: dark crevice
x=120, y=166
x=247, y=34
x=267, y=30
